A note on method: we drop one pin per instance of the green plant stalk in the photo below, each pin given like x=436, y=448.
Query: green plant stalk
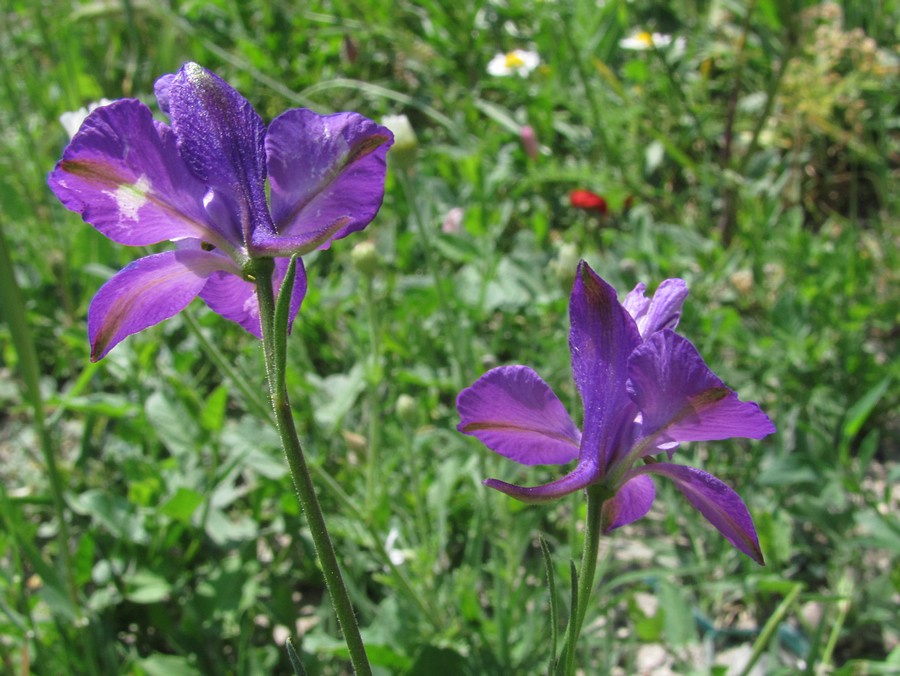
x=274, y=329
x=596, y=496
x=30, y=372
x=372, y=388
x=770, y=627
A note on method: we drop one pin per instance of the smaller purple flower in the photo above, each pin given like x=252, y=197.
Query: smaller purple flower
x=645, y=389
x=201, y=183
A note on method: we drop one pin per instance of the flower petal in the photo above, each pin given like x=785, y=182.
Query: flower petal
x=123, y=174
x=712, y=497
x=631, y=502
x=235, y=299
x=681, y=399
x=660, y=312
x=582, y=476
x=221, y=138
x=602, y=337
x=516, y=414
x=145, y=293
x=326, y=174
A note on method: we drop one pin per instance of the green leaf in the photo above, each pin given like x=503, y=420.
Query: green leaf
x=679, y=626
x=165, y=665
x=114, y=513
x=144, y=586
x=182, y=505
x=212, y=415
x=173, y=424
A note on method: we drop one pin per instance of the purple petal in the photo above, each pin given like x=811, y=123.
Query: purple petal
x=516, y=414
x=681, y=399
x=123, y=174
x=221, y=138
x=722, y=507
x=585, y=474
x=662, y=311
x=326, y=174
x=602, y=337
x=161, y=90
x=145, y=293
x=235, y=299
x=631, y=502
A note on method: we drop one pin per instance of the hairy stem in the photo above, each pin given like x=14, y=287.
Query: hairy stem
x=274, y=345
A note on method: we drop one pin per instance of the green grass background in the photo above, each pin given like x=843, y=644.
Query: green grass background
x=148, y=525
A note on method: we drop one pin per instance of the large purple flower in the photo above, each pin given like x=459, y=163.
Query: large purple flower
x=201, y=184
x=644, y=389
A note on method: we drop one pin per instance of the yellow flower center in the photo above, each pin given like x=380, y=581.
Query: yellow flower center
x=513, y=60
x=645, y=38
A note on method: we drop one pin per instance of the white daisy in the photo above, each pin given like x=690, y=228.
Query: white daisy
x=517, y=62
x=643, y=40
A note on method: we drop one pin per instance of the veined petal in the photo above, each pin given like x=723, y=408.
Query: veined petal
x=631, y=502
x=681, y=399
x=516, y=414
x=721, y=506
x=586, y=473
x=235, y=299
x=221, y=138
x=123, y=174
x=145, y=293
x=326, y=175
x=663, y=311
x=602, y=337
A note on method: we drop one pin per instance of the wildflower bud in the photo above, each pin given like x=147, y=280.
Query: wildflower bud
x=405, y=141
x=529, y=141
x=452, y=224
x=365, y=258
x=407, y=410
x=742, y=281
x=565, y=263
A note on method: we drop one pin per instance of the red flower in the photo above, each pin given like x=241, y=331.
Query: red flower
x=589, y=201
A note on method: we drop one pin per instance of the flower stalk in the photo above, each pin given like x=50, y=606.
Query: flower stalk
x=273, y=317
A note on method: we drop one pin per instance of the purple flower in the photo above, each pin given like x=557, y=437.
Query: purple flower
x=644, y=388
x=201, y=184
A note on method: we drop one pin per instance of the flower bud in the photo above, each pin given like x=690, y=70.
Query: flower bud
x=529, y=141
x=364, y=257
x=405, y=141
x=407, y=410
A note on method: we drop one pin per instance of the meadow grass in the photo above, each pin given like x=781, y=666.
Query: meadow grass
x=148, y=521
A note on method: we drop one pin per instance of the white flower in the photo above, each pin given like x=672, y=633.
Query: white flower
x=643, y=40
x=517, y=62
x=71, y=120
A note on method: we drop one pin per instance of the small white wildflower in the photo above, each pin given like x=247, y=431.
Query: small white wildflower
x=642, y=40
x=71, y=120
x=517, y=62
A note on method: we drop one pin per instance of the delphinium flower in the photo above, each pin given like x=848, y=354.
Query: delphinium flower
x=517, y=62
x=201, y=183
x=645, y=389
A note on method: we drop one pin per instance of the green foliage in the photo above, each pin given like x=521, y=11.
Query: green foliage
x=148, y=525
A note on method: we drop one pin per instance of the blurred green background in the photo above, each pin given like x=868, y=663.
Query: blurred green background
x=148, y=525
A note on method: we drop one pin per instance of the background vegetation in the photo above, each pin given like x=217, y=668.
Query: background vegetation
x=148, y=525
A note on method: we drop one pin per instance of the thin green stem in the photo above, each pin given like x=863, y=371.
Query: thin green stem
x=596, y=496
x=274, y=341
x=373, y=379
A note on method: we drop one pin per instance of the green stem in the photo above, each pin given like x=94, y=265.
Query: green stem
x=274, y=342
x=596, y=496
x=29, y=369
x=373, y=379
